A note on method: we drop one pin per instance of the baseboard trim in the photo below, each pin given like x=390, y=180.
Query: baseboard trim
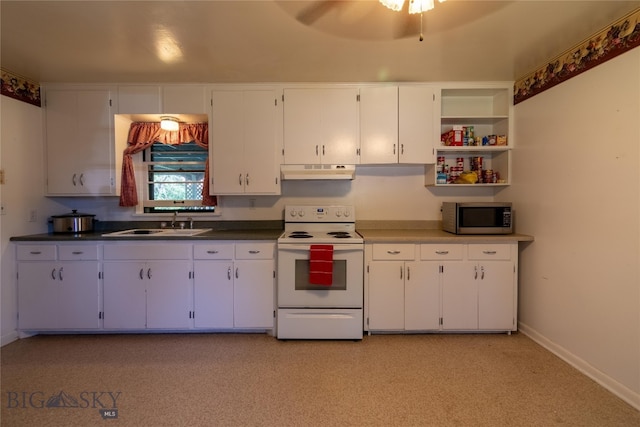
x=8, y=338
x=620, y=390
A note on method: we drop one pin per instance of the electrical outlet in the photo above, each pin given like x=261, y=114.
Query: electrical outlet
x=33, y=215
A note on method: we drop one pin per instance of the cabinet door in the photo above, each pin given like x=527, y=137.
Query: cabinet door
x=253, y=295
x=227, y=143
x=38, y=288
x=340, y=125
x=124, y=295
x=459, y=296
x=139, y=99
x=303, y=128
x=185, y=99
x=386, y=295
x=262, y=142
x=379, y=125
x=168, y=285
x=417, y=133
x=213, y=294
x=79, y=138
x=422, y=296
x=78, y=298
x=496, y=302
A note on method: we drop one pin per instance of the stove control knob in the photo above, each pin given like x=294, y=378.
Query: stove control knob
x=347, y=214
x=293, y=213
x=300, y=214
x=338, y=214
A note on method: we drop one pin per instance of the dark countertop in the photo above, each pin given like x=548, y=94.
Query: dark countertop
x=229, y=230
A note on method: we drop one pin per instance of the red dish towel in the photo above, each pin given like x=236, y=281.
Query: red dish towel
x=321, y=265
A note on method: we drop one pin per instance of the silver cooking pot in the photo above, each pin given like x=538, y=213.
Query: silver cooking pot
x=73, y=222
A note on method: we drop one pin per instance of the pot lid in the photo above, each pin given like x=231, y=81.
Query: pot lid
x=73, y=214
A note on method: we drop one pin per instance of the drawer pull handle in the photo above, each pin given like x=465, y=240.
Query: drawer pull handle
x=35, y=252
x=60, y=273
x=442, y=252
x=489, y=252
x=212, y=252
x=149, y=274
x=393, y=252
x=77, y=252
x=254, y=252
x=229, y=273
x=53, y=274
x=141, y=273
x=236, y=272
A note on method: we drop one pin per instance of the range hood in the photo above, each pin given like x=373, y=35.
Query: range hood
x=317, y=172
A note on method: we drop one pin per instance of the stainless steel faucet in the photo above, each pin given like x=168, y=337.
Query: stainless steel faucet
x=190, y=222
x=173, y=221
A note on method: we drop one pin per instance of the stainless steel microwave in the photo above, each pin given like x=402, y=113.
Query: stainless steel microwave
x=477, y=218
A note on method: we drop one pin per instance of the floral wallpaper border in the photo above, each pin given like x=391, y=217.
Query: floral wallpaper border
x=623, y=35
x=19, y=88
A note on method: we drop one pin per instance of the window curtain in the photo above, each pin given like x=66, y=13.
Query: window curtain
x=143, y=135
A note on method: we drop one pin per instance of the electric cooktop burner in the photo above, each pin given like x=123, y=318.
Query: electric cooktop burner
x=340, y=234
x=300, y=235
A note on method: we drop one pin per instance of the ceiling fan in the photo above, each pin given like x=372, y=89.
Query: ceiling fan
x=357, y=19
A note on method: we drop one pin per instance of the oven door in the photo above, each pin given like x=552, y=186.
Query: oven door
x=295, y=291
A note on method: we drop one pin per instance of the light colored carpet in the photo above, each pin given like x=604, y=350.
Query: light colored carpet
x=256, y=380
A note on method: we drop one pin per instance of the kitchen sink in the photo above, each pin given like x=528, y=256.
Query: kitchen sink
x=157, y=232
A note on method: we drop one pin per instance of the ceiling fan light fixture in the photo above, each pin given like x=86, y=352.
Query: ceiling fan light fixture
x=395, y=5
x=419, y=6
x=169, y=123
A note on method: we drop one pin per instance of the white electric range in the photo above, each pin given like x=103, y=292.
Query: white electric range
x=309, y=310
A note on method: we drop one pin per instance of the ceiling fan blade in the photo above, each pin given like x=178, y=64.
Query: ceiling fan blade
x=316, y=10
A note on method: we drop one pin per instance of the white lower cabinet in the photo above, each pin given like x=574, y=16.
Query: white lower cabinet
x=58, y=289
x=234, y=285
x=441, y=287
x=147, y=286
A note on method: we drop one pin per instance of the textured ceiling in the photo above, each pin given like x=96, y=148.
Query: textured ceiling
x=263, y=41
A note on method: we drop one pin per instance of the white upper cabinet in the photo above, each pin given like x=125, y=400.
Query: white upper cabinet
x=163, y=99
x=246, y=135
x=321, y=125
x=79, y=142
x=139, y=99
x=397, y=124
x=185, y=99
x=417, y=132
x=379, y=125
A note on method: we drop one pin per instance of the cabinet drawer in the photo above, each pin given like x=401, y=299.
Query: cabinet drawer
x=213, y=251
x=148, y=251
x=439, y=251
x=36, y=252
x=255, y=250
x=489, y=251
x=78, y=252
x=400, y=251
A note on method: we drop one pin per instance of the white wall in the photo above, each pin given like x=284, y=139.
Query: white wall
x=22, y=161
x=576, y=188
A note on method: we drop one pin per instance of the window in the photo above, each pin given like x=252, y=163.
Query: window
x=174, y=178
